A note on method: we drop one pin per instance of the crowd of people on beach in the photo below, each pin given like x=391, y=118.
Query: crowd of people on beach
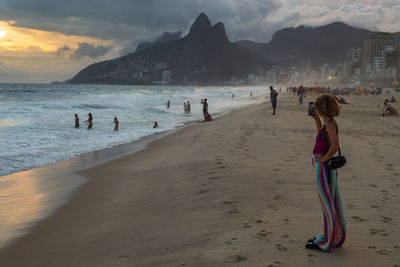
x=311, y=90
x=302, y=91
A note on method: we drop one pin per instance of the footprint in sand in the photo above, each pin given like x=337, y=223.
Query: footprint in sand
x=262, y=234
x=280, y=247
x=275, y=264
x=277, y=197
x=383, y=252
x=204, y=191
x=358, y=219
x=227, y=202
x=311, y=258
x=234, y=211
x=378, y=231
x=235, y=258
x=385, y=219
x=287, y=221
x=215, y=178
x=284, y=236
x=372, y=185
x=351, y=206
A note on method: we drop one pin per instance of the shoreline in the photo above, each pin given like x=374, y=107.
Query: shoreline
x=237, y=190
x=55, y=184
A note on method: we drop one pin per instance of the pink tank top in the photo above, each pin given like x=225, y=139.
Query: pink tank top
x=320, y=147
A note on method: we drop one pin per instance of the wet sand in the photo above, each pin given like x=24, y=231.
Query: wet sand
x=236, y=191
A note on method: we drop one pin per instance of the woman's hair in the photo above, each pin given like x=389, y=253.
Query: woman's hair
x=327, y=105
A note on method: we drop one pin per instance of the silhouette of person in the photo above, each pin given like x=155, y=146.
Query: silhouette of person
x=76, y=121
x=116, y=122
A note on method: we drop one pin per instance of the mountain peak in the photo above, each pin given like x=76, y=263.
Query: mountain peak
x=219, y=33
x=200, y=25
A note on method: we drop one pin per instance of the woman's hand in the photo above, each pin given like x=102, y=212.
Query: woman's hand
x=319, y=157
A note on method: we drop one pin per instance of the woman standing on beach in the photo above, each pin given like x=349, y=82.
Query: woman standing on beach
x=326, y=146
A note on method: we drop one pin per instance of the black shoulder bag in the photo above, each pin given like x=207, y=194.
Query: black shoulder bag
x=336, y=161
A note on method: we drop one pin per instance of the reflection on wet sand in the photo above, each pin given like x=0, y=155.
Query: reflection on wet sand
x=20, y=202
x=30, y=196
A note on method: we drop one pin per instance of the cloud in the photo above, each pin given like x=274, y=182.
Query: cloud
x=90, y=50
x=128, y=21
x=64, y=51
x=8, y=72
x=84, y=50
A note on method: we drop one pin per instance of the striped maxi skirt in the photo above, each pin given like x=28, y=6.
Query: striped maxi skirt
x=334, y=233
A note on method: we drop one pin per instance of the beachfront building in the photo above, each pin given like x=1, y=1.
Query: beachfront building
x=393, y=62
x=325, y=70
x=275, y=75
x=251, y=79
x=166, y=77
x=379, y=63
x=351, y=64
x=372, y=47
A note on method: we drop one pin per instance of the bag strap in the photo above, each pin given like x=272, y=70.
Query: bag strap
x=326, y=138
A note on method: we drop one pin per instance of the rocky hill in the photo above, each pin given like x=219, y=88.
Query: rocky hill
x=318, y=45
x=204, y=56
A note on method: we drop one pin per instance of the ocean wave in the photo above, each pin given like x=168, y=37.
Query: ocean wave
x=155, y=110
x=91, y=106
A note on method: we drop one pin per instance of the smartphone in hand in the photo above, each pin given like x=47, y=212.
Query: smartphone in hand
x=311, y=110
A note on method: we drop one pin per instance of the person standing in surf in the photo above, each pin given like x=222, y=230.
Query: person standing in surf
x=116, y=122
x=89, y=121
x=76, y=121
x=205, y=108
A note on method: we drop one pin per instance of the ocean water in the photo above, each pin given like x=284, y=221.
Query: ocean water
x=37, y=120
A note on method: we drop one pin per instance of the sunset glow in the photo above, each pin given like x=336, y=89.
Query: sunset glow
x=23, y=39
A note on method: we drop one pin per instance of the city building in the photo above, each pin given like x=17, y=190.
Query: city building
x=372, y=47
x=352, y=62
x=379, y=63
x=166, y=77
x=325, y=70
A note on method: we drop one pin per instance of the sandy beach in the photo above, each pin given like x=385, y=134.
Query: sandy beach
x=236, y=191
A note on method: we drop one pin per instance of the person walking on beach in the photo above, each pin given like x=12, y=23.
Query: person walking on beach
x=89, y=122
x=116, y=126
x=205, y=108
x=274, y=98
x=326, y=145
x=155, y=125
x=300, y=94
x=76, y=121
x=188, y=106
x=168, y=103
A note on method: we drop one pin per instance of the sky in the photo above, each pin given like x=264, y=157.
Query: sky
x=49, y=40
